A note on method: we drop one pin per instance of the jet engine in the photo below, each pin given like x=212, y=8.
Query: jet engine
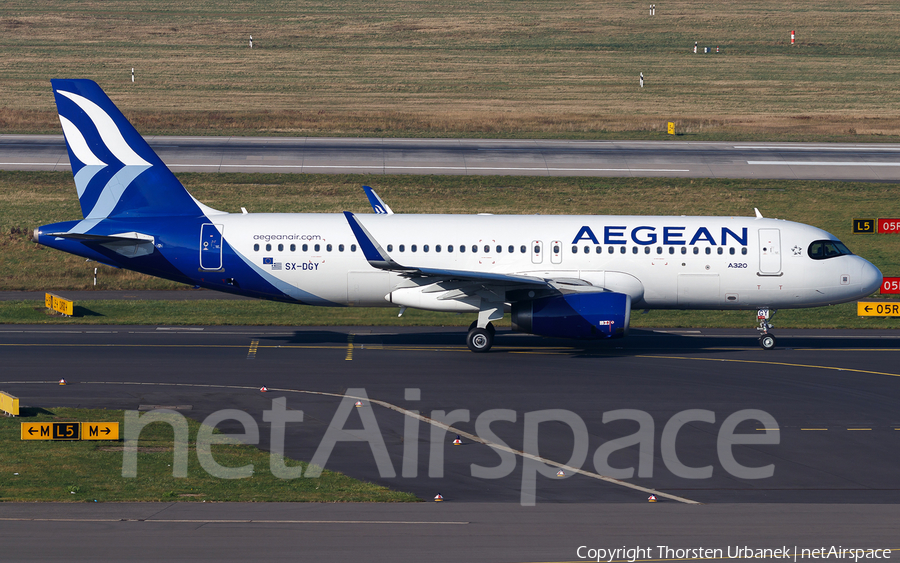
x=577, y=315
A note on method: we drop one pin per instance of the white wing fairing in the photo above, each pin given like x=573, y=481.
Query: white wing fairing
x=566, y=276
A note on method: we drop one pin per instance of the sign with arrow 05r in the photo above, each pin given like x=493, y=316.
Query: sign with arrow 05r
x=878, y=308
x=70, y=431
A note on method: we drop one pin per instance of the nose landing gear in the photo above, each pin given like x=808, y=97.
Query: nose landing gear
x=766, y=338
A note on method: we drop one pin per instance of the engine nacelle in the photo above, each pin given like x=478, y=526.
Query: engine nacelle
x=577, y=315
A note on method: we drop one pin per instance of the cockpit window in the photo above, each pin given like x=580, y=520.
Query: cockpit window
x=824, y=249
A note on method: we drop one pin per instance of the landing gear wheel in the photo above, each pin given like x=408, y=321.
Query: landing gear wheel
x=767, y=341
x=480, y=339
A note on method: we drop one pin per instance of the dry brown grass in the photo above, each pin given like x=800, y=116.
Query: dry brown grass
x=503, y=68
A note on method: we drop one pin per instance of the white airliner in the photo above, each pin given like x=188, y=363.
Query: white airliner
x=571, y=276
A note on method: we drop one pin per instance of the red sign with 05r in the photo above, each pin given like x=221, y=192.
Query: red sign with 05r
x=889, y=225
x=890, y=285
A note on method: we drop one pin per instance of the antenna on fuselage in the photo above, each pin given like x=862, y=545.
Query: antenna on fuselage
x=758, y=214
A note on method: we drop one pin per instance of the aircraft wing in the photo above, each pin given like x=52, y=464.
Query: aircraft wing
x=378, y=258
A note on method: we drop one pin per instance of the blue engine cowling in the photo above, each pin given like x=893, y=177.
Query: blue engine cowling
x=577, y=315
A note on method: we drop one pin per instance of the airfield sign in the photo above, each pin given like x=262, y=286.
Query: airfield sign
x=70, y=430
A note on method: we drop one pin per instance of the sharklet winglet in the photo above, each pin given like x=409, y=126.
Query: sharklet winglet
x=375, y=255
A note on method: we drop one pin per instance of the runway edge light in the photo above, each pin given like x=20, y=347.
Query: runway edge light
x=457, y=441
x=62, y=382
x=263, y=389
x=358, y=404
x=652, y=498
x=438, y=498
x=560, y=473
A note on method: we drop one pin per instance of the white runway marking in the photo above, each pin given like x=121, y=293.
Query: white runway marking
x=820, y=148
x=818, y=163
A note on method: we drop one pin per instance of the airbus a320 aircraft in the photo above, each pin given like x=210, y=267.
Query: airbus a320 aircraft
x=564, y=276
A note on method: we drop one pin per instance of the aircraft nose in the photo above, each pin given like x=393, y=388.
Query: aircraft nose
x=870, y=278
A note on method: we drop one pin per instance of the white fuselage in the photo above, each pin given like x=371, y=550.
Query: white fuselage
x=661, y=262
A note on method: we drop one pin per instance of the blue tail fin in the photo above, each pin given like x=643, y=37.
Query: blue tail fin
x=117, y=174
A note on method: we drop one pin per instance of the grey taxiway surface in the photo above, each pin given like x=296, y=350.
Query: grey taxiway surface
x=834, y=449
x=813, y=161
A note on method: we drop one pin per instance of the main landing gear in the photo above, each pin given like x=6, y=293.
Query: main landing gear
x=766, y=338
x=480, y=339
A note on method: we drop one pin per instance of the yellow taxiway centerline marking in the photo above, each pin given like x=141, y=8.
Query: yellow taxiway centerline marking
x=786, y=364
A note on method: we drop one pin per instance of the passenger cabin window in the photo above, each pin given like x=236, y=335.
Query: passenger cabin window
x=744, y=250
x=537, y=249
x=634, y=250
x=720, y=250
x=437, y=248
x=449, y=248
x=646, y=250
x=487, y=249
x=684, y=250
x=256, y=248
x=696, y=250
x=424, y=248
x=671, y=250
x=402, y=247
x=316, y=248
x=731, y=250
x=462, y=248
x=328, y=248
x=293, y=248
x=280, y=248
x=340, y=248
x=574, y=249
x=499, y=249
x=708, y=250
x=390, y=248
x=475, y=248
x=599, y=250
x=511, y=249
x=825, y=249
x=268, y=248
x=622, y=250
x=352, y=248
x=413, y=248
x=522, y=249
x=659, y=250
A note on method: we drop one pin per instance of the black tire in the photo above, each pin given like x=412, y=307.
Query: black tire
x=480, y=340
x=490, y=327
x=767, y=341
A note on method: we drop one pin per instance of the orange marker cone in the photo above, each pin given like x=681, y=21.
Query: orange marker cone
x=652, y=498
x=438, y=498
x=62, y=381
x=263, y=389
